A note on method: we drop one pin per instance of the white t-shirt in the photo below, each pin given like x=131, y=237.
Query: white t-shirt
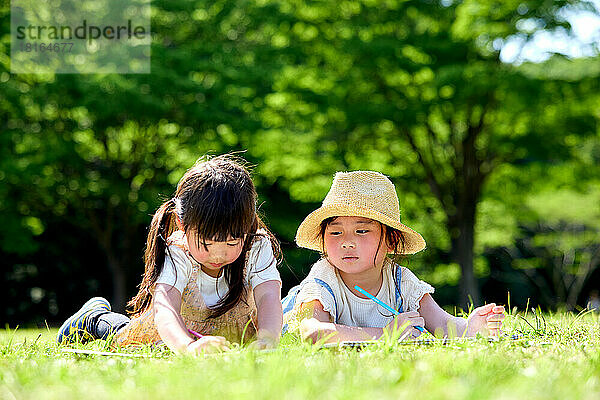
x=261, y=267
x=348, y=309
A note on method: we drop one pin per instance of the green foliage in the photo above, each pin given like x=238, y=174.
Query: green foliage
x=413, y=89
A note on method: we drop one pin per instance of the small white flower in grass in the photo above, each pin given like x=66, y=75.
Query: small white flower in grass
x=529, y=371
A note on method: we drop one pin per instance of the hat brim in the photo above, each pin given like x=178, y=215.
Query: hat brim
x=308, y=234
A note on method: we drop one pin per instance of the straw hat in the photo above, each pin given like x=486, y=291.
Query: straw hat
x=361, y=194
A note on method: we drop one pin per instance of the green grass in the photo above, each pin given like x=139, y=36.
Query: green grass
x=556, y=360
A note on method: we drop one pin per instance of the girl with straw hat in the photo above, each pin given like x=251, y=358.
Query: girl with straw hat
x=355, y=292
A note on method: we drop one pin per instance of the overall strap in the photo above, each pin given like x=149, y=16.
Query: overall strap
x=287, y=303
x=328, y=288
x=398, y=284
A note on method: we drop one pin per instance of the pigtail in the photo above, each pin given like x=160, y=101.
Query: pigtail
x=154, y=255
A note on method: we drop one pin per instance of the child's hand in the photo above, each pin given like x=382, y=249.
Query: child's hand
x=406, y=322
x=486, y=320
x=208, y=344
x=264, y=343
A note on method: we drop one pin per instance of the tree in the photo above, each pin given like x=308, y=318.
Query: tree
x=103, y=150
x=411, y=88
x=414, y=89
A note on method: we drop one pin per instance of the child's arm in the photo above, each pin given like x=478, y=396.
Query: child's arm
x=170, y=326
x=484, y=319
x=267, y=297
x=315, y=325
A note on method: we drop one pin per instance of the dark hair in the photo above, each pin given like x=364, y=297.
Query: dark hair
x=216, y=199
x=394, y=238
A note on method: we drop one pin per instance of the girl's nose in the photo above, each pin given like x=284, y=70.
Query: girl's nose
x=348, y=244
x=219, y=258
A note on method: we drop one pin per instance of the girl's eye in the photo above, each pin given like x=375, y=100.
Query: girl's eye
x=335, y=233
x=233, y=244
x=362, y=231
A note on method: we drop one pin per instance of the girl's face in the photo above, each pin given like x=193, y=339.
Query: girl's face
x=355, y=244
x=215, y=255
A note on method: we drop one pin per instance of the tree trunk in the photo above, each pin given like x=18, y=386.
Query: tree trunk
x=462, y=240
x=465, y=197
x=458, y=195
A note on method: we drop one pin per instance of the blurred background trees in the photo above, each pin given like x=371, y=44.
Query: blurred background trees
x=495, y=163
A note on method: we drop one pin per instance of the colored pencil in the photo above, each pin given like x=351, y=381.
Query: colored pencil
x=195, y=333
x=382, y=304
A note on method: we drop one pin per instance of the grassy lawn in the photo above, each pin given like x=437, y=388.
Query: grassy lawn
x=556, y=360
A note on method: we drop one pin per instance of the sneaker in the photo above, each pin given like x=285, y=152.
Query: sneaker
x=73, y=329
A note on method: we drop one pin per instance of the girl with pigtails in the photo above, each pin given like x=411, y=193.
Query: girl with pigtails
x=210, y=271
